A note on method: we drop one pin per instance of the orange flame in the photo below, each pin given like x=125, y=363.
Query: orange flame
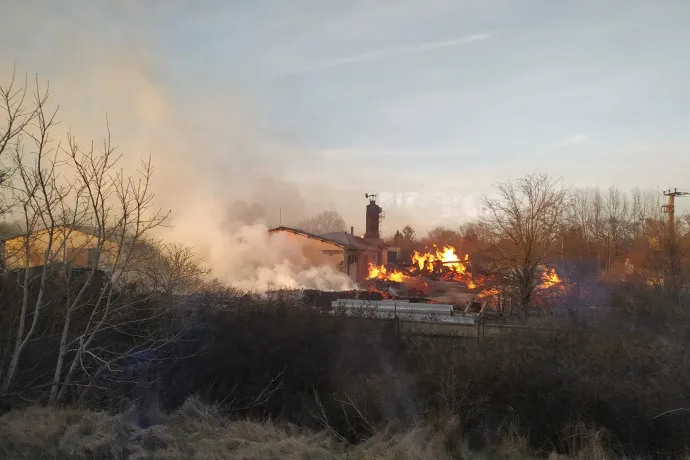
x=380, y=272
x=489, y=292
x=549, y=278
x=446, y=256
x=447, y=263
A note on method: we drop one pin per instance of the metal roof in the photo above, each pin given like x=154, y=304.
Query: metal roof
x=297, y=231
x=343, y=239
x=351, y=240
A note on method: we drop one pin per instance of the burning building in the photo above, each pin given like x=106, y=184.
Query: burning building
x=344, y=251
x=434, y=275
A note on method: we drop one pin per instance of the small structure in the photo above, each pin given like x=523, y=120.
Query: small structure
x=74, y=247
x=342, y=251
x=402, y=309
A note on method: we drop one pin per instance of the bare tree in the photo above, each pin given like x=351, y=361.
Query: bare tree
x=525, y=216
x=76, y=205
x=473, y=233
x=18, y=113
x=39, y=196
x=409, y=235
x=578, y=218
x=616, y=228
x=171, y=269
x=443, y=236
x=597, y=221
x=638, y=213
x=120, y=211
x=324, y=222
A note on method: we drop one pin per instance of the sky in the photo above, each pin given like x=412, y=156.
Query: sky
x=327, y=100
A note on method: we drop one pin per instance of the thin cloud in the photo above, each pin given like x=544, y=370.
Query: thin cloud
x=570, y=141
x=349, y=153
x=393, y=51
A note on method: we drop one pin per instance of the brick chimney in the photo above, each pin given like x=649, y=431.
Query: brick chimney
x=373, y=219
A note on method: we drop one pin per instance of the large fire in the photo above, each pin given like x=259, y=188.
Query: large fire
x=441, y=263
x=380, y=273
x=446, y=257
x=446, y=264
x=549, y=278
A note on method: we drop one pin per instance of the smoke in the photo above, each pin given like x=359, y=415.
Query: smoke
x=244, y=254
x=221, y=175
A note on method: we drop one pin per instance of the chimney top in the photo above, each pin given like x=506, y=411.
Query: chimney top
x=352, y=230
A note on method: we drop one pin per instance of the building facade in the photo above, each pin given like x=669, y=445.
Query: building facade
x=62, y=245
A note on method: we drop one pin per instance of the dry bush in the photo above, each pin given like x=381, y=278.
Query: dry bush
x=262, y=359
x=195, y=432
x=34, y=433
x=418, y=443
x=614, y=381
x=200, y=432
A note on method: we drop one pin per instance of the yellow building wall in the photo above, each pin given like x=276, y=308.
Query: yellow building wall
x=68, y=246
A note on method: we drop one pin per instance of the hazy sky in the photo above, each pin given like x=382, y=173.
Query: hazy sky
x=433, y=96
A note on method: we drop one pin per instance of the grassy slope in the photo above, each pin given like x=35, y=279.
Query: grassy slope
x=197, y=431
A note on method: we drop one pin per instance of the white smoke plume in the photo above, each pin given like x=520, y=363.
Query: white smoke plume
x=244, y=255
x=221, y=176
x=263, y=263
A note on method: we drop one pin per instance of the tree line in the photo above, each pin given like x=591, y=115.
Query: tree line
x=538, y=219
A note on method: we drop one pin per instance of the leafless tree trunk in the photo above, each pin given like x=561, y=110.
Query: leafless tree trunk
x=525, y=215
x=120, y=212
x=39, y=196
x=616, y=209
x=72, y=200
x=18, y=113
x=638, y=213
x=580, y=203
x=597, y=221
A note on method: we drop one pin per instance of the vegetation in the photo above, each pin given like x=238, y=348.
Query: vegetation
x=324, y=222
x=269, y=361
x=199, y=431
x=114, y=345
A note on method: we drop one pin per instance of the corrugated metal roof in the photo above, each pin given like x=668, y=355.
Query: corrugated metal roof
x=351, y=240
x=297, y=231
x=343, y=239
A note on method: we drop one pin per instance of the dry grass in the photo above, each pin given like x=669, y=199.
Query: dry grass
x=199, y=432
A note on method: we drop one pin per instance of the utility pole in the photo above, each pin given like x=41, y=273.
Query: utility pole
x=674, y=263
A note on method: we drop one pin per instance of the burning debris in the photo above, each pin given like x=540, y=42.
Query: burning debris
x=380, y=273
x=549, y=278
x=445, y=258
x=438, y=264
x=441, y=274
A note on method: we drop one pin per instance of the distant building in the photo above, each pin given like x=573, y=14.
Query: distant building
x=344, y=251
x=341, y=251
x=74, y=247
